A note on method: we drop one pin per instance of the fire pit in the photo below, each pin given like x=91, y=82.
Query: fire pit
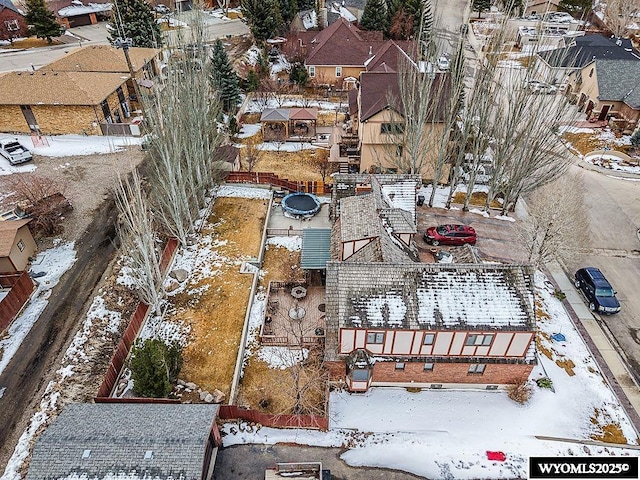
x=298, y=292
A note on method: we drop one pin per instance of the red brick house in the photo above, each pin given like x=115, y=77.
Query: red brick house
x=391, y=321
x=12, y=22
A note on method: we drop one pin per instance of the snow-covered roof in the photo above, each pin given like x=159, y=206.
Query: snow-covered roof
x=125, y=441
x=435, y=296
x=80, y=9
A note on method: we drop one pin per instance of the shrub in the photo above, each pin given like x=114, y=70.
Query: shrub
x=519, y=391
x=559, y=294
x=635, y=138
x=544, y=382
x=155, y=367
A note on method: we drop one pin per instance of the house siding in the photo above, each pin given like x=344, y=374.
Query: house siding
x=20, y=259
x=12, y=120
x=7, y=15
x=326, y=75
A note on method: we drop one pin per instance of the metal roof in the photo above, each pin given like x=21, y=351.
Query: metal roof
x=315, y=248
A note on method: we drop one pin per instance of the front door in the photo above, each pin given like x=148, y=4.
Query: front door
x=604, y=112
x=29, y=117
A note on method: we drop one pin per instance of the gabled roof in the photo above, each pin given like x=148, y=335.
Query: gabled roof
x=430, y=296
x=588, y=48
x=58, y=88
x=303, y=113
x=8, y=231
x=275, y=115
x=359, y=218
x=125, y=440
x=9, y=5
x=389, y=55
x=619, y=80
x=102, y=58
x=76, y=9
x=226, y=153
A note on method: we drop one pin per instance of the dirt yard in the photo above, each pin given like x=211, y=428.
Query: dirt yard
x=216, y=313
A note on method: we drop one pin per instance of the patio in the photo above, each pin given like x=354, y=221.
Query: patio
x=294, y=315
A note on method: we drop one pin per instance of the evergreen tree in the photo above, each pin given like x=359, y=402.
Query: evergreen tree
x=401, y=27
x=413, y=9
x=288, y=10
x=374, y=16
x=264, y=18
x=635, y=138
x=577, y=8
x=299, y=74
x=134, y=19
x=253, y=81
x=481, y=6
x=43, y=20
x=224, y=79
x=155, y=367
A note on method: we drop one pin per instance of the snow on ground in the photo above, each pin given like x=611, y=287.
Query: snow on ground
x=612, y=163
x=282, y=357
x=7, y=169
x=69, y=145
x=257, y=106
x=446, y=433
x=54, y=261
x=233, y=190
x=293, y=243
x=286, y=146
x=249, y=130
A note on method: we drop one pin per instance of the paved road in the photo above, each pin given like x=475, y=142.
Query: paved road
x=449, y=16
x=244, y=462
x=612, y=206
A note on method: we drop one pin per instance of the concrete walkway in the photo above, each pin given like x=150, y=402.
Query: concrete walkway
x=600, y=343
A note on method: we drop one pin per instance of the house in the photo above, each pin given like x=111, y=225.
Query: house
x=392, y=321
x=540, y=7
x=16, y=245
x=555, y=65
x=229, y=156
x=128, y=440
x=12, y=22
x=88, y=91
x=75, y=13
x=609, y=90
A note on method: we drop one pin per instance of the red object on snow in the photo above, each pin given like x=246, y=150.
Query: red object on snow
x=496, y=456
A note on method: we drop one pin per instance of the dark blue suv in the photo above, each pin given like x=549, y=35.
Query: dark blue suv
x=597, y=290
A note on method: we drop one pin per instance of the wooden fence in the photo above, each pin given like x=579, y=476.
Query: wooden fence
x=21, y=288
x=232, y=412
x=131, y=332
x=318, y=188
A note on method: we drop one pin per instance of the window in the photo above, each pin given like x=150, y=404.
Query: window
x=21, y=245
x=12, y=25
x=116, y=115
x=591, y=73
x=360, y=375
x=479, y=340
x=399, y=150
x=392, y=128
x=428, y=338
x=375, y=338
x=476, y=369
x=399, y=365
x=105, y=111
x=428, y=367
x=338, y=71
x=312, y=71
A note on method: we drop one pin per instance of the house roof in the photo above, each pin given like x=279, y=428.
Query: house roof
x=359, y=218
x=113, y=440
x=102, y=58
x=58, y=88
x=275, y=115
x=226, y=153
x=8, y=231
x=619, y=80
x=316, y=243
x=389, y=55
x=430, y=296
x=588, y=48
x=303, y=113
x=9, y=4
x=76, y=9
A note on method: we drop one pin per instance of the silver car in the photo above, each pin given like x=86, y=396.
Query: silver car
x=14, y=151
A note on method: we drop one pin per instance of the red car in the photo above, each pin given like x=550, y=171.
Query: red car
x=450, y=235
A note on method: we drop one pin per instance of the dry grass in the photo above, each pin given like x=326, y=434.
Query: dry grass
x=587, y=142
x=609, y=431
x=567, y=366
x=280, y=264
x=477, y=199
x=541, y=314
x=541, y=348
x=290, y=165
x=32, y=42
x=217, y=316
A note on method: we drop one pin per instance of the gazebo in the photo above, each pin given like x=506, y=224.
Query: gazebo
x=275, y=124
x=302, y=122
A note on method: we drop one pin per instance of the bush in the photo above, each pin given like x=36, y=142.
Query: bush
x=544, y=382
x=519, y=391
x=559, y=294
x=155, y=367
x=635, y=138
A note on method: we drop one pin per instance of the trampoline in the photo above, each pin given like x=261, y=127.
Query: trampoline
x=301, y=204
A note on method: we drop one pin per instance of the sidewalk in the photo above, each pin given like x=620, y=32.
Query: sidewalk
x=612, y=366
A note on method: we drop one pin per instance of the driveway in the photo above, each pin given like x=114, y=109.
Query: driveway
x=244, y=462
x=497, y=239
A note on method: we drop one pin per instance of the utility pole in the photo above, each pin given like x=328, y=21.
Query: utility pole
x=125, y=44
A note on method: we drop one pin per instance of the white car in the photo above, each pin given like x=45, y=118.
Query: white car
x=537, y=86
x=14, y=151
x=443, y=63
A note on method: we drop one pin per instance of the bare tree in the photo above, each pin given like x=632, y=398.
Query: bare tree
x=555, y=225
x=251, y=154
x=620, y=14
x=139, y=242
x=322, y=164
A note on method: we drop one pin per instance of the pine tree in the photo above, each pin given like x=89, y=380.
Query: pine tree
x=43, y=20
x=223, y=78
x=481, y=6
x=374, y=16
x=155, y=367
x=134, y=19
x=264, y=18
x=288, y=10
x=253, y=81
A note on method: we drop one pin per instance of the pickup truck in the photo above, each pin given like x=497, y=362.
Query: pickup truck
x=14, y=151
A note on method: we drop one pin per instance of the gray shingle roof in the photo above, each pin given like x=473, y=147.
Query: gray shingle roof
x=429, y=296
x=315, y=248
x=619, y=80
x=102, y=440
x=275, y=115
x=9, y=4
x=588, y=48
x=359, y=218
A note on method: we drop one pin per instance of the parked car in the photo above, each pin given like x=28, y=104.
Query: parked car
x=537, y=86
x=14, y=151
x=161, y=9
x=450, y=235
x=597, y=290
x=443, y=63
